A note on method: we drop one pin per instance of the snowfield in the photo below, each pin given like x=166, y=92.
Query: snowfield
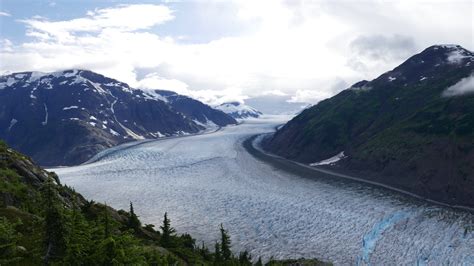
x=205, y=180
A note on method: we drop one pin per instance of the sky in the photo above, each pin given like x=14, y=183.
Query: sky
x=219, y=51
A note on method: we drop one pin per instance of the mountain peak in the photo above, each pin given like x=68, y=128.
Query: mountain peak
x=239, y=110
x=428, y=64
x=449, y=53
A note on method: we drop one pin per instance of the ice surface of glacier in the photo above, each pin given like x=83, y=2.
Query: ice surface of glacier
x=205, y=180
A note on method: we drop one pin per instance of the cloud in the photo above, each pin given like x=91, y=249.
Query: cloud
x=381, y=47
x=377, y=51
x=331, y=87
x=308, y=50
x=155, y=82
x=6, y=45
x=122, y=18
x=464, y=86
x=4, y=14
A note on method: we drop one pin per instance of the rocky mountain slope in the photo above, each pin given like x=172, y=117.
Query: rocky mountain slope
x=64, y=118
x=199, y=112
x=412, y=127
x=239, y=110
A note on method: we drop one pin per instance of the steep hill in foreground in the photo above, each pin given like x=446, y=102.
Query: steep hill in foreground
x=412, y=127
x=44, y=222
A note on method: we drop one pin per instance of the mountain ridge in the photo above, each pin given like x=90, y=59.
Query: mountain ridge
x=393, y=128
x=65, y=117
x=239, y=110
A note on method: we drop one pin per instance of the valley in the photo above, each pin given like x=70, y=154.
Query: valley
x=208, y=179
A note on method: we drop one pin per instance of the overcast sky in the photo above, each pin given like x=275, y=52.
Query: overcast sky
x=221, y=51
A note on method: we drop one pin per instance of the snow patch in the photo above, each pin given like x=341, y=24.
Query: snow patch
x=208, y=124
x=456, y=56
x=45, y=122
x=113, y=132
x=390, y=78
x=70, y=74
x=10, y=81
x=158, y=134
x=12, y=123
x=70, y=107
x=153, y=95
x=238, y=110
x=331, y=160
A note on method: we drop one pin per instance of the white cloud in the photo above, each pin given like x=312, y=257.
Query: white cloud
x=124, y=18
x=274, y=92
x=154, y=82
x=4, y=14
x=6, y=45
x=464, y=86
x=296, y=48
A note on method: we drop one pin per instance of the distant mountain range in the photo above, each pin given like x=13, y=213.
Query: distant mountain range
x=239, y=110
x=64, y=118
x=201, y=113
x=412, y=127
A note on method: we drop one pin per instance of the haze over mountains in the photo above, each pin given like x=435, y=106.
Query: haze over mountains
x=65, y=117
x=412, y=127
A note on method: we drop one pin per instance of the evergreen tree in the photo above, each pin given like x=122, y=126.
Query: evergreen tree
x=225, y=245
x=167, y=232
x=259, y=262
x=187, y=241
x=133, y=221
x=205, y=253
x=106, y=222
x=55, y=230
x=8, y=242
x=217, y=254
x=79, y=239
x=245, y=259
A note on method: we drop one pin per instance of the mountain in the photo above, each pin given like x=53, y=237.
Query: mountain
x=411, y=128
x=239, y=110
x=64, y=118
x=200, y=113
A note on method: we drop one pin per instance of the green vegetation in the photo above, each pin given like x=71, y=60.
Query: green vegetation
x=44, y=222
x=404, y=132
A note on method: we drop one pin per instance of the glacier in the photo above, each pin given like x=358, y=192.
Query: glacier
x=208, y=179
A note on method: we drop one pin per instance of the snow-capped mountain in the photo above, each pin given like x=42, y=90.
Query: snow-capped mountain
x=65, y=117
x=193, y=109
x=238, y=110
